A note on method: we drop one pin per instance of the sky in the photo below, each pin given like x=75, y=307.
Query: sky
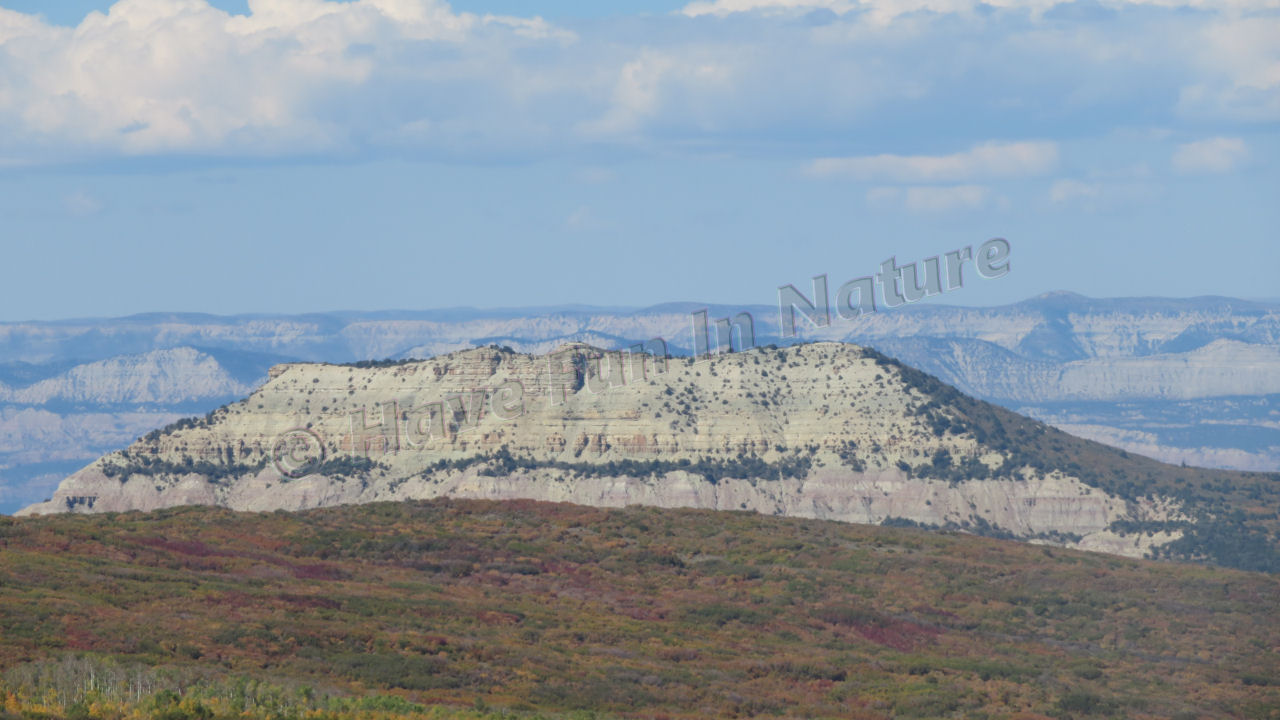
x=285, y=156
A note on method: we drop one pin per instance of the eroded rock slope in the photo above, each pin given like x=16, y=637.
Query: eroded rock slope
x=824, y=430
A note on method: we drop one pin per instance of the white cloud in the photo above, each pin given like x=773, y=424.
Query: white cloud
x=154, y=76
x=880, y=10
x=886, y=9
x=353, y=79
x=1213, y=155
x=990, y=160
x=931, y=198
x=646, y=86
x=728, y=7
x=1118, y=193
x=637, y=94
x=1238, y=64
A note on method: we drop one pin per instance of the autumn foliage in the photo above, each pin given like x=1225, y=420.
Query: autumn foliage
x=474, y=609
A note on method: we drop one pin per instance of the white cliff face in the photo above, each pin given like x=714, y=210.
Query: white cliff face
x=1221, y=368
x=819, y=431
x=1149, y=445
x=1041, y=510
x=162, y=376
x=1224, y=367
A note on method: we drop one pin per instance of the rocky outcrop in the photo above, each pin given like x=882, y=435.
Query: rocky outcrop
x=824, y=430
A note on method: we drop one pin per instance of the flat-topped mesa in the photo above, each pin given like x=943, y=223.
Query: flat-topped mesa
x=824, y=430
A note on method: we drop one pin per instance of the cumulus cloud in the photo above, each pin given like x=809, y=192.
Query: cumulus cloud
x=1238, y=70
x=1213, y=155
x=162, y=75
x=350, y=79
x=881, y=10
x=887, y=9
x=990, y=160
x=728, y=7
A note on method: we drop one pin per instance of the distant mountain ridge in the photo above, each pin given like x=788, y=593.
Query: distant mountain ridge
x=1220, y=368
x=1058, y=326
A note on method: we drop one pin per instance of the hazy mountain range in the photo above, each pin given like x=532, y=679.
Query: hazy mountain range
x=1192, y=380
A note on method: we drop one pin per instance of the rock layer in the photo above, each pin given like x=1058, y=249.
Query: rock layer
x=819, y=431
x=825, y=430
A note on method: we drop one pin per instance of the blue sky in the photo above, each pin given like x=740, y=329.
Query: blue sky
x=304, y=155
x=70, y=12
